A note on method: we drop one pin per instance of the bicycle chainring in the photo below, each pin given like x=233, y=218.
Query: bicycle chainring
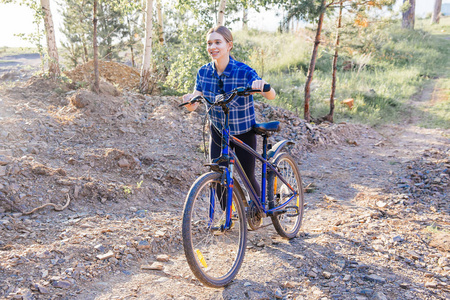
x=254, y=218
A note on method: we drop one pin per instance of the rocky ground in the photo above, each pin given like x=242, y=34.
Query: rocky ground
x=92, y=189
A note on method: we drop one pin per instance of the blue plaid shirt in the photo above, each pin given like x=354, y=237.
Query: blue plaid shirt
x=236, y=74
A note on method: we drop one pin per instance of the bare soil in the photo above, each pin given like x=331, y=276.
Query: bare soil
x=92, y=190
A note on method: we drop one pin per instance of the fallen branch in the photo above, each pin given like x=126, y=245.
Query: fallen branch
x=56, y=207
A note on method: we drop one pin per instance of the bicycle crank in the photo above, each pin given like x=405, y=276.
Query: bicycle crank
x=254, y=218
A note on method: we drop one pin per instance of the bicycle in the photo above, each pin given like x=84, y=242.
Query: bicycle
x=216, y=210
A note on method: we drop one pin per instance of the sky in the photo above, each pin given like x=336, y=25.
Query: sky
x=19, y=19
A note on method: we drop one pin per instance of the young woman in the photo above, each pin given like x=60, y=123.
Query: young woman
x=222, y=75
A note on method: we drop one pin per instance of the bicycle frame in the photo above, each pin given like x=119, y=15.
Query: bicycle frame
x=233, y=162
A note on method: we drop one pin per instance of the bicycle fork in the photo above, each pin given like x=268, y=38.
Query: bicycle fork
x=227, y=184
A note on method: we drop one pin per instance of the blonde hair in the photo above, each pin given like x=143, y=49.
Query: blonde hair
x=223, y=31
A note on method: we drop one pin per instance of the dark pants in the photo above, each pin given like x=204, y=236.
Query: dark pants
x=247, y=160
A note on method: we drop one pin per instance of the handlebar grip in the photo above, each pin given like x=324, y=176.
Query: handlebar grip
x=266, y=87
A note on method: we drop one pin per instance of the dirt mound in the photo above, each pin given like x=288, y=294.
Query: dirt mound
x=123, y=76
x=109, y=175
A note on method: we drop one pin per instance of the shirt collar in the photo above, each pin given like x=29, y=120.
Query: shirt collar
x=228, y=70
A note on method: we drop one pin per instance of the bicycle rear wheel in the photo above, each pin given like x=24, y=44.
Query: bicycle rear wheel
x=214, y=255
x=287, y=223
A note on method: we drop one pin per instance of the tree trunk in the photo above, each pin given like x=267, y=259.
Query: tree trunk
x=245, y=19
x=330, y=116
x=436, y=12
x=245, y=14
x=160, y=22
x=96, y=74
x=221, y=14
x=312, y=65
x=146, y=62
x=53, y=59
x=409, y=15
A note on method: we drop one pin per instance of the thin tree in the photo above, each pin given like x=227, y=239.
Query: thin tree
x=221, y=13
x=408, y=16
x=160, y=22
x=330, y=115
x=245, y=19
x=436, y=12
x=96, y=73
x=312, y=64
x=147, y=60
x=53, y=61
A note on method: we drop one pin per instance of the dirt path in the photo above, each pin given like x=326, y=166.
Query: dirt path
x=376, y=226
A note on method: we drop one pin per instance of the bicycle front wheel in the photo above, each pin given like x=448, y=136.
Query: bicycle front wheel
x=288, y=221
x=213, y=253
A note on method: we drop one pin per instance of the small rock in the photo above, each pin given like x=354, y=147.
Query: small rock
x=347, y=277
x=61, y=284
x=431, y=284
x=398, y=239
x=278, y=294
x=378, y=248
x=260, y=244
x=365, y=292
x=154, y=266
x=414, y=255
x=162, y=279
x=162, y=258
x=160, y=233
x=124, y=163
x=42, y=289
x=379, y=296
x=247, y=283
x=374, y=278
x=2, y=170
x=443, y=261
x=404, y=285
x=99, y=247
x=312, y=274
x=4, y=160
x=381, y=204
x=143, y=245
x=106, y=255
x=290, y=284
x=326, y=274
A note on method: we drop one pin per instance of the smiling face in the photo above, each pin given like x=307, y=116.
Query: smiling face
x=217, y=47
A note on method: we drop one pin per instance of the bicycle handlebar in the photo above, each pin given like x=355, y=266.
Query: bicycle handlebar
x=240, y=91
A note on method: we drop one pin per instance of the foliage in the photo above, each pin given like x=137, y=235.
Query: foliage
x=118, y=26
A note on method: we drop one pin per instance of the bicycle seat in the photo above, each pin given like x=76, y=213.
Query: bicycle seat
x=267, y=128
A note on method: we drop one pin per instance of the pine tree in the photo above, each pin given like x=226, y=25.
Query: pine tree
x=77, y=28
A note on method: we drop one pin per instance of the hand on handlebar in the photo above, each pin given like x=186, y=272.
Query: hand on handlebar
x=187, y=98
x=264, y=88
x=258, y=85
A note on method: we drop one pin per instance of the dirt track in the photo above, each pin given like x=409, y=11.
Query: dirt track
x=126, y=163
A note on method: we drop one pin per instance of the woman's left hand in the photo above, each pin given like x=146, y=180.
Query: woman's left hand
x=258, y=84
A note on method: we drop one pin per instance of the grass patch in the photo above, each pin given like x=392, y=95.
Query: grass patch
x=7, y=51
x=385, y=71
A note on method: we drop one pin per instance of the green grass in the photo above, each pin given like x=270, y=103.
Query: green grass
x=398, y=63
x=7, y=51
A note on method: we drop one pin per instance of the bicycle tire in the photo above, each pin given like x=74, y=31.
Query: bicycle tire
x=214, y=256
x=287, y=225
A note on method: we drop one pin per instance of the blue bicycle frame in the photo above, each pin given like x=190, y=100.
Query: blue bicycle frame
x=232, y=162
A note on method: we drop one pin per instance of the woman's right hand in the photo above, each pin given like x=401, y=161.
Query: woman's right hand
x=187, y=98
